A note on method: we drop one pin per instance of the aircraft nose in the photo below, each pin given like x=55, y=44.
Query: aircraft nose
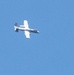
x=38, y=31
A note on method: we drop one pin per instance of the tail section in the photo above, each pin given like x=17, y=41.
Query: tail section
x=16, y=27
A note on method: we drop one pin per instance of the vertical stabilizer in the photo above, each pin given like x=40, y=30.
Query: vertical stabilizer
x=16, y=27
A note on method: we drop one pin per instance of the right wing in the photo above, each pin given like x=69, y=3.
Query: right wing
x=27, y=34
x=26, y=24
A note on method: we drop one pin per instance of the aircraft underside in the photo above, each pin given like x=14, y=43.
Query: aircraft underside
x=25, y=28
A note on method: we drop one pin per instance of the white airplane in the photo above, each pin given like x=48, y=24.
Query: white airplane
x=25, y=28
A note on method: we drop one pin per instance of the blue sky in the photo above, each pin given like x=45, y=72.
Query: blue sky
x=49, y=53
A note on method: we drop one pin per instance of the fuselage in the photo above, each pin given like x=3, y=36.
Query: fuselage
x=28, y=29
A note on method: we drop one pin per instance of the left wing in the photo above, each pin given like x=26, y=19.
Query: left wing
x=27, y=34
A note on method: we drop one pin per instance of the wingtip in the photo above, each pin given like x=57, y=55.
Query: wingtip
x=27, y=38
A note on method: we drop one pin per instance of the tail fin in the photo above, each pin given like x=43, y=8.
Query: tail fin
x=16, y=27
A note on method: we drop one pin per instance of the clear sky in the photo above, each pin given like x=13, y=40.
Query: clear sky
x=49, y=53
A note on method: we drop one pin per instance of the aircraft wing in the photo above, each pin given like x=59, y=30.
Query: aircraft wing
x=26, y=24
x=27, y=34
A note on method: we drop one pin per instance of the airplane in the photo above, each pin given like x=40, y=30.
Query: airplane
x=25, y=28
